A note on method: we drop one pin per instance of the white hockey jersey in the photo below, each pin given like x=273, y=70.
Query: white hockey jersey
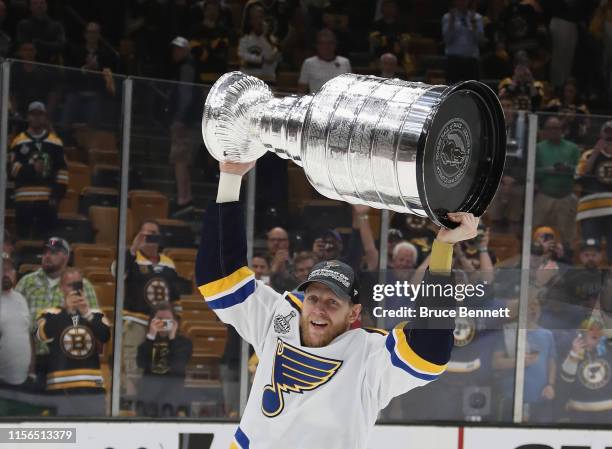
x=302, y=397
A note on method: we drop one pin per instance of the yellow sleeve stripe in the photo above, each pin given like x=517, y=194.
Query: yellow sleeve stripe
x=294, y=301
x=407, y=355
x=40, y=333
x=441, y=257
x=234, y=445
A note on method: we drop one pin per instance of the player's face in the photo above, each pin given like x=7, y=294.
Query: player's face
x=325, y=316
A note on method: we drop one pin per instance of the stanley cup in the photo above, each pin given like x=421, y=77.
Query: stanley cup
x=387, y=143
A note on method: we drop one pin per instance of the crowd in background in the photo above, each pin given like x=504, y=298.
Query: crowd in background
x=545, y=56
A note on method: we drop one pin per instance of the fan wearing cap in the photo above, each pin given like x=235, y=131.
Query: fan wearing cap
x=314, y=370
x=38, y=167
x=594, y=173
x=42, y=289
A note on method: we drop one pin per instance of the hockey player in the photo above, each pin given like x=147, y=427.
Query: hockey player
x=315, y=373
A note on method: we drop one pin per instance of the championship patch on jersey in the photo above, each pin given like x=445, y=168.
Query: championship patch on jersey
x=295, y=371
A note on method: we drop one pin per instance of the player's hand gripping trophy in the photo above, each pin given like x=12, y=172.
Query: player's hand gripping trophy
x=386, y=143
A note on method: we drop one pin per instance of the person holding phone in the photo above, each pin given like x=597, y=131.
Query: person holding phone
x=163, y=357
x=74, y=334
x=151, y=280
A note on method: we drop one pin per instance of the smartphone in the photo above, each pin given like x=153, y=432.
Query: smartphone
x=77, y=287
x=153, y=238
x=168, y=324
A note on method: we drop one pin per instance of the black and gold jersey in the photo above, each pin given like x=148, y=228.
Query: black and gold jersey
x=74, y=344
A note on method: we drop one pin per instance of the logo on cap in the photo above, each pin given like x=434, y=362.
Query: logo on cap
x=452, y=152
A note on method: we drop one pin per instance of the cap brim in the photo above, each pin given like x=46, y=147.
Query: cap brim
x=333, y=287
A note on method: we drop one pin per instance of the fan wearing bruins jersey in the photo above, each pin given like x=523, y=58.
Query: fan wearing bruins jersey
x=38, y=167
x=594, y=173
x=151, y=279
x=75, y=334
x=314, y=371
x=586, y=373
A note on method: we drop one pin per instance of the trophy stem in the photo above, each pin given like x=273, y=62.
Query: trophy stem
x=280, y=123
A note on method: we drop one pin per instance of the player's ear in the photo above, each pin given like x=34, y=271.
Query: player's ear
x=354, y=313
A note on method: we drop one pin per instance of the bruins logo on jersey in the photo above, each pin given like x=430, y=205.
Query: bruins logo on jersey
x=603, y=172
x=594, y=374
x=77, y=342
x=465, y=331
x=156, y=291
x=295, y=371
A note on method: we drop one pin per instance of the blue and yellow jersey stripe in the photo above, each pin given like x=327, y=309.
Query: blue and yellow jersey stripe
x=404, y=357
x=295, y=301
x=229, y=290
x=241, y=441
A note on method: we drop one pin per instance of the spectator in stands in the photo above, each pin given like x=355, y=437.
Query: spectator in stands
x=325, y=65
x=388, y=35
x=184, y=139
x=163, y=357
x=404, y=259
x=388, y=67
x=463, y=32
x=574, y=114
x=74, y=333
x=261, y=267
x=506, y=209
x=556, y=161
x=277, y=242
x=38, y=167
x=31, y=82
x=521, y=25
x=594, y=173
x=211, y=41
x=585, y=372
x=296, y=44
x=288, y=280
x=540, y=366
x=8, y=244
x=278, y=13
x=151, y=279
x=46, y=34
x=197, y=13
x=258, y=47
x=42, y=290
x=84, y=100
x=5, y=35
x=15, y=329
x=335, y=18
x=475, y=259
x=525, y=90
x=547, y=257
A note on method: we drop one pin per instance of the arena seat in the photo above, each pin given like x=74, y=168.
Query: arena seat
x=79, y=176
x=108, y=157
x=29, y=251
x=106, y=175
x=26, y=268
x=148, y=205
x=105, y=223
x=97, y=275
x=92, y=255
x=69, y=203
x=75, y=228
x=98, y=196
x=105, y=292
x=184, y=260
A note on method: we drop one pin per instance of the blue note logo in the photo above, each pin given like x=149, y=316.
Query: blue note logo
x=295, y=371
x=452, y=152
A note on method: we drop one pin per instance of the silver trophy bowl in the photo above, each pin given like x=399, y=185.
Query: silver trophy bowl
x=387, y=143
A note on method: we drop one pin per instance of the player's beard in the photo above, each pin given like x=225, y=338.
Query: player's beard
x=313, y=339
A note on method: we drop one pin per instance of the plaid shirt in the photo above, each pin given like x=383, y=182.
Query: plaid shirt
x=41, y=296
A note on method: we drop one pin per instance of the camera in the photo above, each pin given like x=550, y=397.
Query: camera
x=167, y=324
x=153, y=238
x=77, y=287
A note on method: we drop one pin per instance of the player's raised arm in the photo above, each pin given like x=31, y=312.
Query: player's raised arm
x=417, y=354
x=222, y=273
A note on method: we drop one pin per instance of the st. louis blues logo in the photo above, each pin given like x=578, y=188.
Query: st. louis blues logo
x=294, y=371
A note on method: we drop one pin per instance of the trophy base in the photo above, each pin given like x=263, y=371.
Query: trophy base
x=463, y=153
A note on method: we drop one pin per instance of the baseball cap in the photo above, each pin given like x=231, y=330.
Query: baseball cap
x=330, y=233
x=57, y=243
x=590, y=243
x=180, y=41
x=37, y=106
x=544, y=230
x=336, y=275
